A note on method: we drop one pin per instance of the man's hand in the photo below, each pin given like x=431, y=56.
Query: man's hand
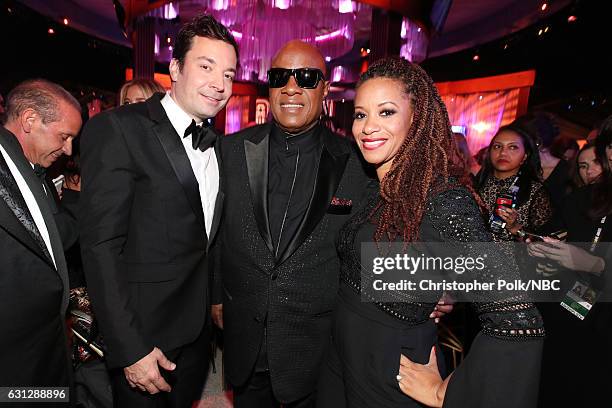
x=144, y=374
x=444, y=307
x=217, y=315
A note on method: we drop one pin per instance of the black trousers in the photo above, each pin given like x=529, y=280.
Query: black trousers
x=187, y=379
x=257, y=393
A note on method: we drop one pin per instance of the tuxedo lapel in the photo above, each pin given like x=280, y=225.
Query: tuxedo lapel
x=214, y=226
x=13, y=148
x=11, y=224
x=175, y=151
x=329, y=173
x=256, y=152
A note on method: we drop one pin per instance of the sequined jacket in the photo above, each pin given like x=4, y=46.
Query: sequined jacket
x=291, y=297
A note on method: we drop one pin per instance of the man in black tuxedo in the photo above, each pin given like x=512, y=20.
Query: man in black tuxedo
x=42, y=119
x=150, y=208
x=291, y=185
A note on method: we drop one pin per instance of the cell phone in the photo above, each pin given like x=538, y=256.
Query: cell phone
x=533, y=237
x=560, y=235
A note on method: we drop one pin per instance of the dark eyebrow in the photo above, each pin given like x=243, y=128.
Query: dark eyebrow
x=212, y=61
x=386, y=102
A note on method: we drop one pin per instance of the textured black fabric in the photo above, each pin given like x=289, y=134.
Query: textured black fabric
x=143, y=240
x=202, y=136
x=9, y=192
x=369, y=336
x=294, y=296
x=33, y=292
x=291, y=176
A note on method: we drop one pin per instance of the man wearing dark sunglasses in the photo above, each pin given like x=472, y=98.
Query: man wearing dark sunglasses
x=277, y=239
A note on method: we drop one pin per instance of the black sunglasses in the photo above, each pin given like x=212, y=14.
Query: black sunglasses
x=307, y=78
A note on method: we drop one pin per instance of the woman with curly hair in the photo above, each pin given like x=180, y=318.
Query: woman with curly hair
x=384, y=353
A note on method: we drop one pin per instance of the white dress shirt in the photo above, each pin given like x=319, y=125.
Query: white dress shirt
x=204, y=163
x=30, y=202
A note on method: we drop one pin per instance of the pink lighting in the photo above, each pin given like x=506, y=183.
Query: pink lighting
x=415, y=41
x=263, y=26
x=345, y=6
x=331, y=35
x=218, y=4
x=282, y=4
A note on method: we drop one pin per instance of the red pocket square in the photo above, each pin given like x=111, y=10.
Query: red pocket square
x=343, y=202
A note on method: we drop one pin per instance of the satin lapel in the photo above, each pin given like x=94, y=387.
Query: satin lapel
x=175, y=151
x=24, y=167
x=257, y=166
x=218, y=212
x=329, y=173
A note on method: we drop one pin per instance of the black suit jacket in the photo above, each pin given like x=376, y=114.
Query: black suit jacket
x=294, y=295
x=143, y=239
x=33, y=292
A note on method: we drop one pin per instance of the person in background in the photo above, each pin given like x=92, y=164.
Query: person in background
x=512, y=167
x=577, y=361
x=471, y=167
x=587, y=164
x=555, y=171
x=565, y=148
x=42, y=120
x=479, y=159
x=138, y=90
x=603, y=143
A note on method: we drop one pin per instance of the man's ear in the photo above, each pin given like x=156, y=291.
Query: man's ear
x=175, y=69
x=27, y=119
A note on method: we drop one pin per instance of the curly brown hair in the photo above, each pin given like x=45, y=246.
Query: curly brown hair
x=425, y=160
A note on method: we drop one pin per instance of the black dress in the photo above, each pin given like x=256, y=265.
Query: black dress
x=502, y=368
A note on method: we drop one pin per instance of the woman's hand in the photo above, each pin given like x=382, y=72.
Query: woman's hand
x=510, y=216
x=422, y=382
x=567, y=255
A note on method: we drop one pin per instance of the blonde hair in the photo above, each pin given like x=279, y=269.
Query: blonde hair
x=147, y=86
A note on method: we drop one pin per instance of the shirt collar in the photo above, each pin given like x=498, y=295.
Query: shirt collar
x=179, y=119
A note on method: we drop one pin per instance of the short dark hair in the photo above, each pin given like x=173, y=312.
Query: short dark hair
x=203, y=25
x=40, y=95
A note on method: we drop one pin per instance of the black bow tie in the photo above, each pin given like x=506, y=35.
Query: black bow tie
x=202, y=137
x=40, y=172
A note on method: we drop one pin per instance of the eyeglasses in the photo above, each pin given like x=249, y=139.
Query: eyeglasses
x=307, y=78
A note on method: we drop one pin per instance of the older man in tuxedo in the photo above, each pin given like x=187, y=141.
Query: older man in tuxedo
x=42, y=119
x=150, y=208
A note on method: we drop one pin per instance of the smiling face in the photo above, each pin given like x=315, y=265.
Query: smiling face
x=507, y=153
x=589, y=168
x=203, y=85
x=296, y=109
x=383, y=115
